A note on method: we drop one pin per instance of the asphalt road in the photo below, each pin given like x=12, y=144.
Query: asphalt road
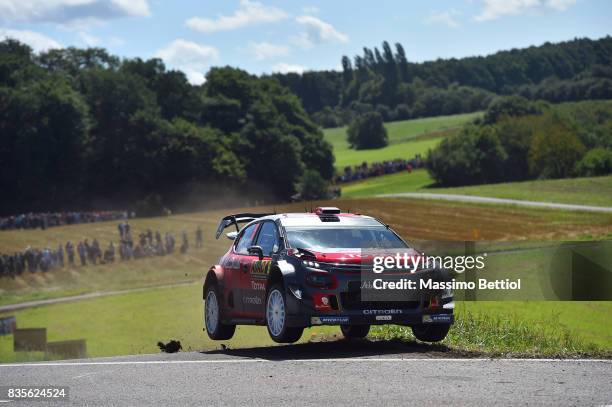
x=318, y=374
x=484, y=199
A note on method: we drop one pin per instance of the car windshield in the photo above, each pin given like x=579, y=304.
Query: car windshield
x=343, y=238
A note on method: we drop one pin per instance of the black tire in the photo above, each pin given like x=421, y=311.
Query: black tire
x=430, y=333
x=276, y=318
x=355, y=331
x=215, y=328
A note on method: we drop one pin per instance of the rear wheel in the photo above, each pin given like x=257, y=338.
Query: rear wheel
x=355, y=331
x=276, y=317
x=215, y=329
x=430, y=333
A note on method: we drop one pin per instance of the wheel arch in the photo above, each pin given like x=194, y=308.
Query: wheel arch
x=214, y=276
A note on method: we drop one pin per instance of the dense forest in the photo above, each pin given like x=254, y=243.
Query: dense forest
x=384, y=80
x=518, y=140
x=82, y=129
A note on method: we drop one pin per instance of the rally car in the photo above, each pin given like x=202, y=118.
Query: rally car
x=295, y=270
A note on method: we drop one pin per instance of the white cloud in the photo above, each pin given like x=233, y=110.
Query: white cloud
x=318, y=31
x=89, y=40
x=266, y=50
x=191, y=58
x=448, y=18
x=249, y=13
x=68, y=12
x=37, y=41
x=494, y=9
x=283, y=67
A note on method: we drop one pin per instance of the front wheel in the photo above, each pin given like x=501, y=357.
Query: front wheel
x=430, y=333
x=355, y=331
x=276, y=317
x=215, y=329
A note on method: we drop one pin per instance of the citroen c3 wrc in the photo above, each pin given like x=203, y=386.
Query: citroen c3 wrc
x=294, y=270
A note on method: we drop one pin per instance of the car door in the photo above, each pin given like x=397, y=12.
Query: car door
x=243, y=261
x=256, y=280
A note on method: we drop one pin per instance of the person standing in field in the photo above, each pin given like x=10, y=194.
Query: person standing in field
x=60, y=255
x=82, y=253
x=185, y=243
x=70, y=253
x=199, y=238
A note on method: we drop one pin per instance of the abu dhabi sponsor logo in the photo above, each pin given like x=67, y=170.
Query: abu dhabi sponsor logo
x=382, y=311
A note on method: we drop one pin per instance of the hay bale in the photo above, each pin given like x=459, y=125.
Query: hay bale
x=30, y=339
x=73, y=349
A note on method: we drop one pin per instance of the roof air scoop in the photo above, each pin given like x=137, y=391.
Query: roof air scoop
x=327, y=210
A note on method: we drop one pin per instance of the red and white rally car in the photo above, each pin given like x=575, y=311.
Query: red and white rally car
x=295, y=270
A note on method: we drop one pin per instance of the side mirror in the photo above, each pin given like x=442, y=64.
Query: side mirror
x=232, y=235
x=256, y=250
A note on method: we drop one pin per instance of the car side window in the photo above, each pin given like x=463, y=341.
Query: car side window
x=246, y=239
x=268, y=239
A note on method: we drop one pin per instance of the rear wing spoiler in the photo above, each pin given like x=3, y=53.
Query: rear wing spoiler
x=236, y=219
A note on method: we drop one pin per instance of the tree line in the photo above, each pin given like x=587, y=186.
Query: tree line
x=82, y=129
x=384, y=80
x=518, y=140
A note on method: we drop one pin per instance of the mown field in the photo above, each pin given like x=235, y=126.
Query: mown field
x=585, y=191
x=406, y=138
x=134, y=322
x=413, y=219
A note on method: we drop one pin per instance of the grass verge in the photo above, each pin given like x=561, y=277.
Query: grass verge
x=517, y=334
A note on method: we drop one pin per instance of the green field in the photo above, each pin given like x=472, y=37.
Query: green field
x=405, y=139
x=585, y=191
x=416, y=181
x=133, y=323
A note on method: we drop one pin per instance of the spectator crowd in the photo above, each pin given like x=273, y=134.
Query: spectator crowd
x=376, y=169
x=50, y=219
x=85, y=252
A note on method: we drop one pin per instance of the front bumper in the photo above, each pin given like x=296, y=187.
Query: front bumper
x=346, y=306
x=411, y=317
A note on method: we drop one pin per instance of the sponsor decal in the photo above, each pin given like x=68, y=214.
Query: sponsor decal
x=383, y=317
x=382, y=311
x=438, y=318
x=258, y=286
x=315, y=321
x=252, y=300
x=334, y=320
x=321, y=302
x=261, y=267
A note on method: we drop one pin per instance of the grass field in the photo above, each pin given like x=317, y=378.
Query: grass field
x=133, y=323
x=586, y=191
x=412, y=219
x=532, y=329
x=405, y=139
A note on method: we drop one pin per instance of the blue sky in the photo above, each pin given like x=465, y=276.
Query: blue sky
x=272, y=35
